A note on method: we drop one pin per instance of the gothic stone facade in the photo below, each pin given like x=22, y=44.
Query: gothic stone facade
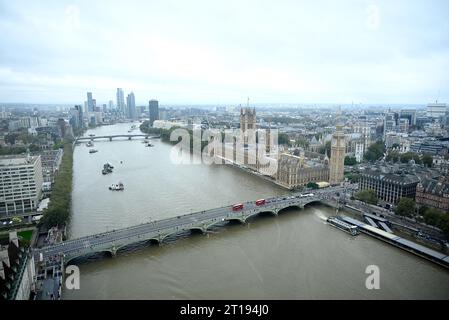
x=294, y=171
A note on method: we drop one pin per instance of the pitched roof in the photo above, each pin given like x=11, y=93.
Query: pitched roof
x=434, y=186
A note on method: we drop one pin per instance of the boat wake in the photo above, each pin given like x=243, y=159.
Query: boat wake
x=320, y=215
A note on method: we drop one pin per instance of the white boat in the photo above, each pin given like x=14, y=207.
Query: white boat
x=342, y=225
x=117, y=187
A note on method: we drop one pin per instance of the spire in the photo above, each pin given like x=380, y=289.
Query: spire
x=339, y=125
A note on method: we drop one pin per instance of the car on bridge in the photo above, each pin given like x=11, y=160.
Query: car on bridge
x=260, y=202
x=237, y=207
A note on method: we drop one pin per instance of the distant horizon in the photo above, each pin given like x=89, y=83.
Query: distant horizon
x=235, y=104
x=263, y=105
x=209, y=52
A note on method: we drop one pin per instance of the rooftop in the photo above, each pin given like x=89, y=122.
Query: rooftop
x=435, y=186
x=17, y=160
x=390, y=175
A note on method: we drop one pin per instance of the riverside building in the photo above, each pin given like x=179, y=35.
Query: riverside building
x=20, y=184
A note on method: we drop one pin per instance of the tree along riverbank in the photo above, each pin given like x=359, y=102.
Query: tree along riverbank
x=58, y=211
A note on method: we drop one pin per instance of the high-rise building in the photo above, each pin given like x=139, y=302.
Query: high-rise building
x=436, y=110
x=403, y=125
x=154, y=111
x=3, y=114
x=408, y=114
x=338, y=152
x=131, y=106
x=90, y=102
x=74, y=118
x=163, y=114
x=111, y=105
x=80, y=116
x=390, y=122
x=120, y=101
x=20, y=184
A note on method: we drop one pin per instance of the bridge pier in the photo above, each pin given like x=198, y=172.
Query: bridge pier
x=113, y=251
x=129, y=138
x=110, y=138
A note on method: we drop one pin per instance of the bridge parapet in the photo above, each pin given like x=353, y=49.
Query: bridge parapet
x=112, y=241
x=110, y=137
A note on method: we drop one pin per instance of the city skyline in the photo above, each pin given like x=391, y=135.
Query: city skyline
x=209, y=150
x=285, y=53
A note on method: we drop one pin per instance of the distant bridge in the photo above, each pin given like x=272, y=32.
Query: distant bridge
x=158, y=231
x=128, y=136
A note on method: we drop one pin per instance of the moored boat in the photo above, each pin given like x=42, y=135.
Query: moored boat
x=344, y=226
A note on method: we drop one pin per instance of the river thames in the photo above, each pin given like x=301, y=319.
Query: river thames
x=293, y=256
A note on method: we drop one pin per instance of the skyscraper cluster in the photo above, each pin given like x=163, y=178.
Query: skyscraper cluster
x=123, y=109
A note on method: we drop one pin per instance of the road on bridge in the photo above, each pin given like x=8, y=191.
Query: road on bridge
x=162, y=228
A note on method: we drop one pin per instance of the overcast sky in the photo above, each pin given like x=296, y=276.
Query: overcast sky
x=221, y=52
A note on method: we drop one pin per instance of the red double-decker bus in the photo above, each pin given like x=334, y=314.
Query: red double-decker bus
x=237, y=207
x=260, y=202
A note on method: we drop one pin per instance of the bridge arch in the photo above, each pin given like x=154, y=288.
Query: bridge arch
x=290, y=207
x=217, y=222
x=144, y=241
x=261, y=213
x=192, y=230
x=314, y=201
x=87, y=255
x=200, y=230
x=236, y=219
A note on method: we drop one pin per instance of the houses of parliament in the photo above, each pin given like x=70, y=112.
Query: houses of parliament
x=258, y=150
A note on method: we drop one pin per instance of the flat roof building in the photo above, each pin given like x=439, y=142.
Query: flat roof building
x=389, y=185
x=20, y=184
x=436, y=110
